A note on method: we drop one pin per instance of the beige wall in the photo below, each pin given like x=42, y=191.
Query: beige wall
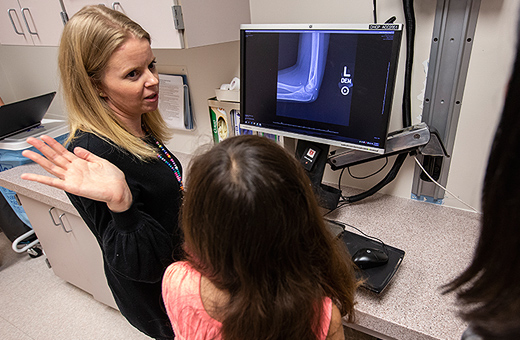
x=490, y=65
x=29, y=71
x=207, y=68
x=26, y=72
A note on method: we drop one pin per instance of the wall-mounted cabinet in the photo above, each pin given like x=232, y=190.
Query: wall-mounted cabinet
x=171, y=23
x=212, y=22
x=155, y=16
x=30, y=22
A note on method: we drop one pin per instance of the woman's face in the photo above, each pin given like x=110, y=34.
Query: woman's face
x=130, y=83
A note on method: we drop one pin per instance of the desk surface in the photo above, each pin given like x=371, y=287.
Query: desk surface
x=438, y=242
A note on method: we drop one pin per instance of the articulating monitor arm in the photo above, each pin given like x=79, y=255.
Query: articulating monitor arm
x=418, y=137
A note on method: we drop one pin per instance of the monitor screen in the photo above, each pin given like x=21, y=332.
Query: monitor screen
x=331, y=84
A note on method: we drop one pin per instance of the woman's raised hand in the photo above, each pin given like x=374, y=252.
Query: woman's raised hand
x=80, y=173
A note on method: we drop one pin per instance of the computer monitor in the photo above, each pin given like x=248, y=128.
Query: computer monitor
x=325, y=83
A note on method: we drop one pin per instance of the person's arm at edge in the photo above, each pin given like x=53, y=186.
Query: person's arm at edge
x=336, y=325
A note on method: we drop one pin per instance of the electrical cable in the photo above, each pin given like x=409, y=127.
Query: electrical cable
x=343, y=224
x=375, y=12
x=443, y=188
x=410, y=45
x=339, y=181
x=390, y=176
x=356, y=177
x=368, y=176
x=391, y=20
x=339, y=206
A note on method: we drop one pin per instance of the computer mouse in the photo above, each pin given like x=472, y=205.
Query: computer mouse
x=366, y=258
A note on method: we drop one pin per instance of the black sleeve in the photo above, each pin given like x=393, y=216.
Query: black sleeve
x=134, y=244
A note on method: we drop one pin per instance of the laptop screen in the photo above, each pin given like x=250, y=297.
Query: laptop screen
x=23, y=115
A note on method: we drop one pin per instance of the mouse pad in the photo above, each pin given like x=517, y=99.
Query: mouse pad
x=377, y=278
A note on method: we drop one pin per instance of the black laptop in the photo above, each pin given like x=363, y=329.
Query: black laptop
x=23, y=115
x=375, y=279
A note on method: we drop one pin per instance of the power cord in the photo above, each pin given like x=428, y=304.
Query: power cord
x=357, y=177
x=368, y=176
x=443, y=188
x=391, y=20
x=343, y=225
x=343, y=201
x=374, y=2
x=347, y=200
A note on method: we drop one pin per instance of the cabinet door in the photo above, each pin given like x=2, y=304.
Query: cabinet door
x=213, y=22
x=12, y=27
x=70, y=247
x=30, y=22
x=155, y=16
x=205, y=22
x=42, y=20
x=73, y=6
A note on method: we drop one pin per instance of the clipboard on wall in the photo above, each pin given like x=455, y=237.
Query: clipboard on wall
x=174, y=101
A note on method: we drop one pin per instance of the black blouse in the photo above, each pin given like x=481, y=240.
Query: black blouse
x=137, y=244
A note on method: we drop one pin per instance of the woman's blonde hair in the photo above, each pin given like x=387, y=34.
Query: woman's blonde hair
x=89, y=39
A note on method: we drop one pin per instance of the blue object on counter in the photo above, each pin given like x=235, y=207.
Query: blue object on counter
x=11, y=156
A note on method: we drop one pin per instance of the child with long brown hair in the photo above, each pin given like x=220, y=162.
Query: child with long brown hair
x=260, y=261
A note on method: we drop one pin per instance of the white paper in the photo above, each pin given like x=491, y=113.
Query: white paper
x=171, y=100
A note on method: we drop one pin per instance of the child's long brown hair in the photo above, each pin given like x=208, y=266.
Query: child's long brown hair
x=253, y=227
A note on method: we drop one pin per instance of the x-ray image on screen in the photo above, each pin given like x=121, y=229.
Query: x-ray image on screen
x=300, y=81
x=326, y=82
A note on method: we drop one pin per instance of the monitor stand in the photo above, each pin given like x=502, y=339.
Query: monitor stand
x=313, y=157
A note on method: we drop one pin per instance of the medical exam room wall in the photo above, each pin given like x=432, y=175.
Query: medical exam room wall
x=27, y=71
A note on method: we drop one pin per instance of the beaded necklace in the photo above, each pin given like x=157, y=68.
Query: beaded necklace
x=168, y=159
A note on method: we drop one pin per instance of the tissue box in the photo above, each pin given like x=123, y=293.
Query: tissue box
x=228, y=95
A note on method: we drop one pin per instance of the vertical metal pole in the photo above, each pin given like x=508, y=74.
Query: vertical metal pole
x=452, y=40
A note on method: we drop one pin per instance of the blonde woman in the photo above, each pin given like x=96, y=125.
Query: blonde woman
x=124, y=182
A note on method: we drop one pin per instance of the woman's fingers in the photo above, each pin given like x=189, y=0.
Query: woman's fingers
x=54, y=182
x=43, y=162
x=58, y=149
x=55, y=157
x=52, y=150
x=87, y=155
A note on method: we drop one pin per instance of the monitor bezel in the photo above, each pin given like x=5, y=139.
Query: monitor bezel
x=398, y=28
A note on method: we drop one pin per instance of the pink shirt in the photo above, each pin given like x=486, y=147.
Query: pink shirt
x=181, y=294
